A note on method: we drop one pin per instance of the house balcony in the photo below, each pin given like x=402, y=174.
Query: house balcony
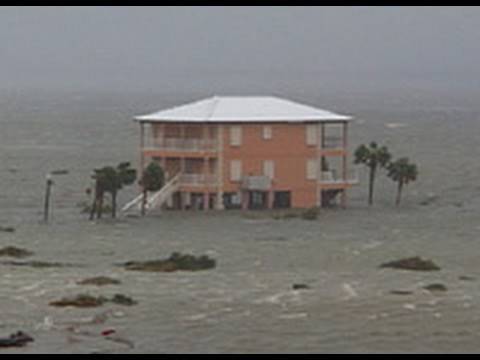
x=198, y=180
x=335, y=178
x=181, y=147
x=333, y=143
x=181, y=144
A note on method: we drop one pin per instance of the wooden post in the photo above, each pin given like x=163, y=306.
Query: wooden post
x=48, y=191
x=142, y=147
x=219, y=171
x=206, y=195
x=344, y=164
x=320, y=147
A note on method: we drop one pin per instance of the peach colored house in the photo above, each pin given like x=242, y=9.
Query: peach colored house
x=247, y=152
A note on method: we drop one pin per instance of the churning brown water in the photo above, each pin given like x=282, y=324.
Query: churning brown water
x=247, y=303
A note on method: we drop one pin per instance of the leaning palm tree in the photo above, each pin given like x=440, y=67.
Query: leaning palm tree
x=153, y=179
x=110, y=179
x=373, y=157
x=402, y=172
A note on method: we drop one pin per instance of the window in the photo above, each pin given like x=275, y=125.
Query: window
x=311, y=134
x=267, y=132
x=312, y=169
x=235, y=136
x=282, y=200
x=235, y=170
x=269, y=168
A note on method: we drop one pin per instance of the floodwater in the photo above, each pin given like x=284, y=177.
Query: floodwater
x=247, y=303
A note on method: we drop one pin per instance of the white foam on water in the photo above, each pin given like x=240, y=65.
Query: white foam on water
x=349, y=291
x=293, y=316
x=395, y=125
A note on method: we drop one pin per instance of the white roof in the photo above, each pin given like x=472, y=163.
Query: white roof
x=243, y=109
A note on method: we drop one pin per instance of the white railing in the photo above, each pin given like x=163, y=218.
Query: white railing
x=156, y=199
x=181, y=144
x=333, y=142
x=198, y=179
x=334, y=177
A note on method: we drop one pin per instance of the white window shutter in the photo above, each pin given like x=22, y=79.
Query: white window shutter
x=311, y=134
x=312, y=169
x=235, y=170
x=235, y=135
x=269, y=168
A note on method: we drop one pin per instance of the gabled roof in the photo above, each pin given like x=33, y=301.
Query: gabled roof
x=243, y=109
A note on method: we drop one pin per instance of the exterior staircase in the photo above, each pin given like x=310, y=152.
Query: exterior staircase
x=156, y=199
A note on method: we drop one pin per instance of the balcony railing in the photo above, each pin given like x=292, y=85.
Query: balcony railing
x=180, y=144
x=198, y=179
x=333, y=142
x=333, y=177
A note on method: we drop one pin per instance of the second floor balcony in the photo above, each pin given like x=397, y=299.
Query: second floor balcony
x=181, y=144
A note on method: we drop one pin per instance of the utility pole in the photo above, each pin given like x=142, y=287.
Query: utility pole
x=48, y=191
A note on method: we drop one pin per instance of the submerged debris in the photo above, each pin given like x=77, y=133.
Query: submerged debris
x=286, y=215
x=430, y=199
x=176, y=262
x=15, y=252
x=37, y=264
x=401, y=292
x=60, y=172
x=9, y=229
x=80, y=301
x=466, y=278
x=436, y=288
x=414, y=264
x=121, y=299
x=300, y=287
x=271, y=238
x=19, y=339
x=88, y=301
x=310, y=214
x=99, y=281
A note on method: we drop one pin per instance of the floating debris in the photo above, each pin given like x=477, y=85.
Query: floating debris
x=436, y=288
x=19, y=339
x=176, y=262
x=38, y=264
x=120, y=299
x=80, y=301
x=271, y=238
x=60, y=172
x=401, y=292
x=9, y=229
x=286, y=215
x=310, y=214
x=300, y=287
x=89, y=301
x=414, y=264
x=430, y=199
x=466, y=278
x=99, y=281
x=15, y=252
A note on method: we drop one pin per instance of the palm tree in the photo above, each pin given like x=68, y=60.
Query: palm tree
x=403, y=172
x=373, y=157
x=153, y=179
x=110, y=179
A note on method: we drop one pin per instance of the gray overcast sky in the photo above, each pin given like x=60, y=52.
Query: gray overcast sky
x=237, y=48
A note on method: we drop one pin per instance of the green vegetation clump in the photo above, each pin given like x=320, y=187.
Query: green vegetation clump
x=310, y=214
x=15, y=252
x=86, y=208
x=413, y=263
x=89, y=301
x=99, y=281
x=176, y=262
